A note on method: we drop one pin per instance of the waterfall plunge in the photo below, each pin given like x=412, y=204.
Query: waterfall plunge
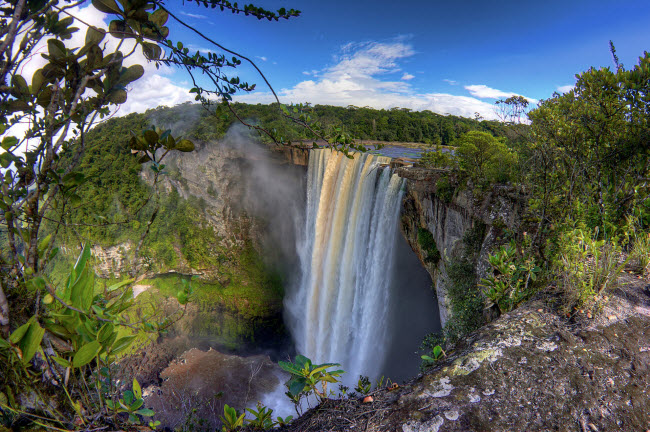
x=340, y=312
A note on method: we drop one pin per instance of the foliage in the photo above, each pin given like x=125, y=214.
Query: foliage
x=484, y=158
x=231, y=419
x=363, y=385
x=586, y=266
x=437, y=158
x=437, y=353
x=639, y=255
x=428, y=245
x=512, y=278
x=131, y=403
x=262, y=418
x=588, y=154
x=306, y=378
x=91, y=331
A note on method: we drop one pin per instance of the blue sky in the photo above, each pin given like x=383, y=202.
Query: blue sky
x=449, y=57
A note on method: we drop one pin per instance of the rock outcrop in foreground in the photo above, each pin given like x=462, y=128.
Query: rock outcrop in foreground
x=530, y=370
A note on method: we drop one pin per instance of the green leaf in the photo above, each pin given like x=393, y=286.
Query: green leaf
x=56, y=49
x=63, y=362
x=151, y=51
x=121, y=344
x=137, y=390
x=107, y=6
x=120, y=30
x=95, y=35
x=130, y=74
x=119, y=285
x=151, y=137
x=184, y=145
x=86, y=353
x=159, y=17
x=117, y=96
x=31, y=341
x=145, y=412
x=8, y=142
x=18, y=334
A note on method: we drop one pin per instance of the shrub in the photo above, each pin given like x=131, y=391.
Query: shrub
x=512, y=278
x=438, y=158
x=586, y=266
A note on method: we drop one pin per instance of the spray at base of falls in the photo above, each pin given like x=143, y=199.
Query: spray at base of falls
x=341, y=310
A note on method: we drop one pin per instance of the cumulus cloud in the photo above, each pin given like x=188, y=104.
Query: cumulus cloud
x=407, y=76
x=565, y=88
x=359, y=77
x=484, y=92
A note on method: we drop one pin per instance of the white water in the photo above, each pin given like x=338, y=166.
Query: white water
x=341, y=309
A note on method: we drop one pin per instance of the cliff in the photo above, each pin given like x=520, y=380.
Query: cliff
x=437, y=220
x=528, y=370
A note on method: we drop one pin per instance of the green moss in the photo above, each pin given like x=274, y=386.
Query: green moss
x=428, y=245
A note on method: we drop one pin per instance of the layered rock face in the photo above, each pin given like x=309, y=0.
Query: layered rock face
x=448, y=215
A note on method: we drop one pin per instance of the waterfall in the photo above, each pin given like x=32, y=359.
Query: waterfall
x=340, y=311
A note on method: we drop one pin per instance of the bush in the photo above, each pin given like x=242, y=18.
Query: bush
x=438, y=158
x=586, y=266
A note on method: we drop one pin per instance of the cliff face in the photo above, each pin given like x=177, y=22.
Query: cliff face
x=431, y=210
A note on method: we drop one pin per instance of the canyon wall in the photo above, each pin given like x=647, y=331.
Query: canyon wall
x=430, y=205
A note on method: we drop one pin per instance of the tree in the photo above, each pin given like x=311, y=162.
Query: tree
x=484, y=158
x=589, y=157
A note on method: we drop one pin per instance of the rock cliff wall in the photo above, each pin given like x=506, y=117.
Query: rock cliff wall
x=431, y=206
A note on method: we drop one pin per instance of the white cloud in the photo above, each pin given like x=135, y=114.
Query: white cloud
x=407, y=76
x=565, y=88
x=262, y=58
x=191, y=15
x=358, y=78
x=450, y=81
x=484, y=92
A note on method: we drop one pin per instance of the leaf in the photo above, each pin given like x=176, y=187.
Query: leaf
x=63, y=362
x=20, y=87
x=119, y=285
x=31, y=341
x=86, y=353
x=8, y=142
x=151, y=51
x=130, y=74
x=82, y=259
x=296, y=387
x=56, y=49
x=159, y=17
x=121, y=344
x=151, y=137
x=18, y=334
x=117, y=96
x=184, y=145
x=145, y=412
x=107, y=6
x=120, y=30
x=94, y=35
x=137, y=390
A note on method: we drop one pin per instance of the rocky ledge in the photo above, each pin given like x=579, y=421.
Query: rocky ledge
x=530, y=370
